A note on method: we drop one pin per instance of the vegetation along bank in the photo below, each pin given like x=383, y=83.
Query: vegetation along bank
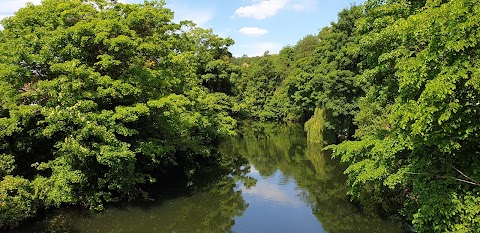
x=99, y=99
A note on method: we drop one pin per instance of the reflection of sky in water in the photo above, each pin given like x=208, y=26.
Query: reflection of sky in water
x=271, y=189
x=253, y=171
x=275, y=206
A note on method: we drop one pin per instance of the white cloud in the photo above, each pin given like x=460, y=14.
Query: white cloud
x=9, y=7
x=4, y=16
x=262, y=9
x=13, y=5
x=253, y=31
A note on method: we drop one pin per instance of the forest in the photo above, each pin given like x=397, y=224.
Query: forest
x=99, y=99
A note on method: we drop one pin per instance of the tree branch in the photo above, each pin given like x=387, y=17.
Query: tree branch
x=461, y=173
x=446, y=177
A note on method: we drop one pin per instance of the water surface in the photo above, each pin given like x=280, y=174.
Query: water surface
x=285, y=185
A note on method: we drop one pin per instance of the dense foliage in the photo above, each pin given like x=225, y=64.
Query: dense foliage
x=98, y=98
x=318, y=72
x=418, y=133
x=399, y=80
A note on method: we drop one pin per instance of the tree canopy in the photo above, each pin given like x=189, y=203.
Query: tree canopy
x=397, y=82
x=98, y=98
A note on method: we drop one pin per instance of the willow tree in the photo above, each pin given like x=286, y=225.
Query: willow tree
x=97, y=98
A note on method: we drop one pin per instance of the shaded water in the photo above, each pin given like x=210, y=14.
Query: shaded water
x=287, y=185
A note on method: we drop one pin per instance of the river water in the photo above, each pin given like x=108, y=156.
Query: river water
x=282, y=185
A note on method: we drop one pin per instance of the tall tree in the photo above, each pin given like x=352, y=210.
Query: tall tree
x=418, y=140
x=98, y=98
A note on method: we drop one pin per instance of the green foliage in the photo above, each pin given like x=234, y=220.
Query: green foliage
x=402, y=78
x=99, y=98
x=319, y=71
x=262, y=90
x=315, y=126
x=327, y=78
x=18, y=200
x=418, y=145
x=256, y=87
x=7, y=164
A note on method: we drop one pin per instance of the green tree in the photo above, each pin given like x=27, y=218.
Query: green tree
x=418, y=140
x=256, y=86
x=99, y=97
x=326, y=78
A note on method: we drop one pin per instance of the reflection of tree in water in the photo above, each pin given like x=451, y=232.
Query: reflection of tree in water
x=216, y=201
x=271, y=147
x=267, y=145
x=212, y=207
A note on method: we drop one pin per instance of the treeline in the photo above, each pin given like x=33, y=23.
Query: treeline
x=397, y=82
x=99, y=99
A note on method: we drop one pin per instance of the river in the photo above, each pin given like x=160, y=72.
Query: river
x=282, y=184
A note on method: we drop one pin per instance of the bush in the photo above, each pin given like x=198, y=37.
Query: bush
x=17, y=201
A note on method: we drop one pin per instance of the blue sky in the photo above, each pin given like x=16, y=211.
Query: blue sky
x=255, y=25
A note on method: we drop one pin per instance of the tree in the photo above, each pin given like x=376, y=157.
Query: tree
x=256, y=86
x=98, y=98
x=418, y=142
x=326, y=78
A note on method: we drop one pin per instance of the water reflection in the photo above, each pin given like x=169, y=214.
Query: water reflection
x=293, y=172
x=285, y=186
x=212, y=208
x=269, y=191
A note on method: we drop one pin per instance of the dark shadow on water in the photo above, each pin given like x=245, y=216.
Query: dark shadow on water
x=217, y=200
x=209, y=204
